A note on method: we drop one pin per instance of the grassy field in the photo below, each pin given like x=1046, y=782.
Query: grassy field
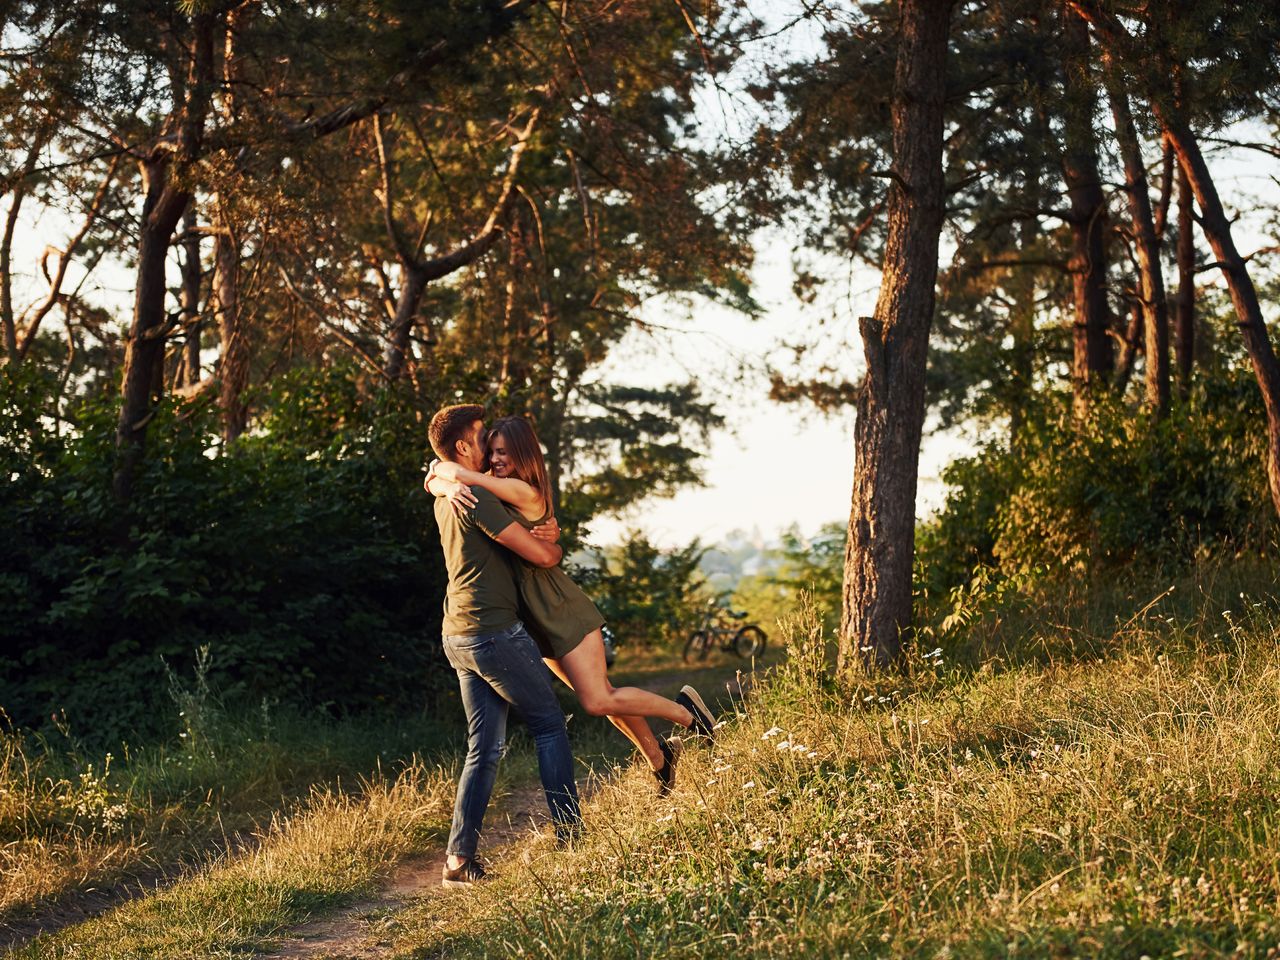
x=1117, y=802
x=1078, y=772
x=82, y=828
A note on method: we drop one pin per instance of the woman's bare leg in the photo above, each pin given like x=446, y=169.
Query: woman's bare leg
x=635, y=729
x=584, y=669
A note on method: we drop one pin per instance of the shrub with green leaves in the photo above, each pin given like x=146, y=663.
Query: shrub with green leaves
x=1116, y=489
x=304, y=557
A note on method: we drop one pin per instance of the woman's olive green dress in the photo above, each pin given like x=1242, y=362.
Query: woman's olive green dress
x=554, y=609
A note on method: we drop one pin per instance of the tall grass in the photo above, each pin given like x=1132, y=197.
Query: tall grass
x=72, y=819
x=1113, y=793
x=332, y=849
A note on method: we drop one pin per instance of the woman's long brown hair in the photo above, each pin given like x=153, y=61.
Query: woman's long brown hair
x=527, y=463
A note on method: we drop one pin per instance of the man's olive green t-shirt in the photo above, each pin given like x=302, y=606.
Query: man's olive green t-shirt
x=482, y=594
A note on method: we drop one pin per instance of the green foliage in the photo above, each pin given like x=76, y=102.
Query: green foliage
x=809, y=571
x=303, y=558
x=1116, y=490
x=648, y=595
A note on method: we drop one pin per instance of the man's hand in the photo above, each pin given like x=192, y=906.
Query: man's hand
x=548, y=532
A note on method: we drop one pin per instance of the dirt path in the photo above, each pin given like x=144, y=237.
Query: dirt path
x=363, y=930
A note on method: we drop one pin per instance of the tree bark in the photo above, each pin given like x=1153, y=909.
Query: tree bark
x=189, y=363
x=144, y=347
x=1092, y=351
x=1155, y=308
x=1023, y=287
x=233, y=364
x=1133, y=339
x=6, y=275
x=413, y=283
x=416, y=272
x=1244, y=296
x=165, y=200
x=1184, y=342
x=890, y=409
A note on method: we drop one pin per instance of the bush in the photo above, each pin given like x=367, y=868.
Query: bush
x=1116, y=490
x=648, y=596
x=304, y=557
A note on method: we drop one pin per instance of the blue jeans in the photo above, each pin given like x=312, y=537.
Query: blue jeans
x=497, y=671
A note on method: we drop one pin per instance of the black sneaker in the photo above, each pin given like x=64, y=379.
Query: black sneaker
x=470, y=872
x=671, y=747
x=704, y=723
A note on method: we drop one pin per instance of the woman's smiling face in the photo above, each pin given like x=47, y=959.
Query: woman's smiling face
x=499, y=459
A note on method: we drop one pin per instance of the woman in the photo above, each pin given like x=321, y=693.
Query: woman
x=557, y=613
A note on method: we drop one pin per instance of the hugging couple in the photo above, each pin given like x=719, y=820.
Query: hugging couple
x=508, y=610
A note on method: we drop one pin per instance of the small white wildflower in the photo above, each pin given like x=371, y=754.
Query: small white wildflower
x=771, y=733
x=719, y=725
x=811, y=754
x=784, y=745
x=771, y=791
x=748, y=785
x=799, y=748
x=711, y=782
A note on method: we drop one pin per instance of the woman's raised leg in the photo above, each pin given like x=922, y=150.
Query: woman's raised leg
x=584, y=669
x=635, y=729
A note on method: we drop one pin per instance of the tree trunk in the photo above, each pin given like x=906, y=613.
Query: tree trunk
x=6, y=275
x=144, y=347
x=1092, y=352
x=7, y=318
x=1184, y=342
x=189, y=363
x=413, y=283
x=233, y=366
x=1155, y=308
x=165, y=201
x=890, y=409
x=1217, y=230
x=1023, y=286
x=1133, y=339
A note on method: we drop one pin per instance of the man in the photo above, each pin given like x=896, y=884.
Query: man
x=497, y=662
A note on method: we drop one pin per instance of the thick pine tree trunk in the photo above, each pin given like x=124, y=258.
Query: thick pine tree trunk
x=890, y=410
x=1184, y=341
x=1155, y=309
x=1092, y=351
x=1217, y=230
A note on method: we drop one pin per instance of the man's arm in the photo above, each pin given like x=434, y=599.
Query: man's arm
x=528, y=547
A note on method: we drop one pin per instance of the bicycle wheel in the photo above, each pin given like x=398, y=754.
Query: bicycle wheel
x=695, y=647
x=749, y=641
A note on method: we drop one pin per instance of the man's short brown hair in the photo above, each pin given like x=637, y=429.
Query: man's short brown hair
x=451, y=424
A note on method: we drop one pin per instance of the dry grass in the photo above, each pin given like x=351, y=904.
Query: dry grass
x=73, y=821
x=332, y=850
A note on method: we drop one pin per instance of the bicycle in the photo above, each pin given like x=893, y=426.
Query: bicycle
x=746, y=640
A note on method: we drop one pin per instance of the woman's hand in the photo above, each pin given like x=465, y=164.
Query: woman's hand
x=549, y=531
x=459, y=496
